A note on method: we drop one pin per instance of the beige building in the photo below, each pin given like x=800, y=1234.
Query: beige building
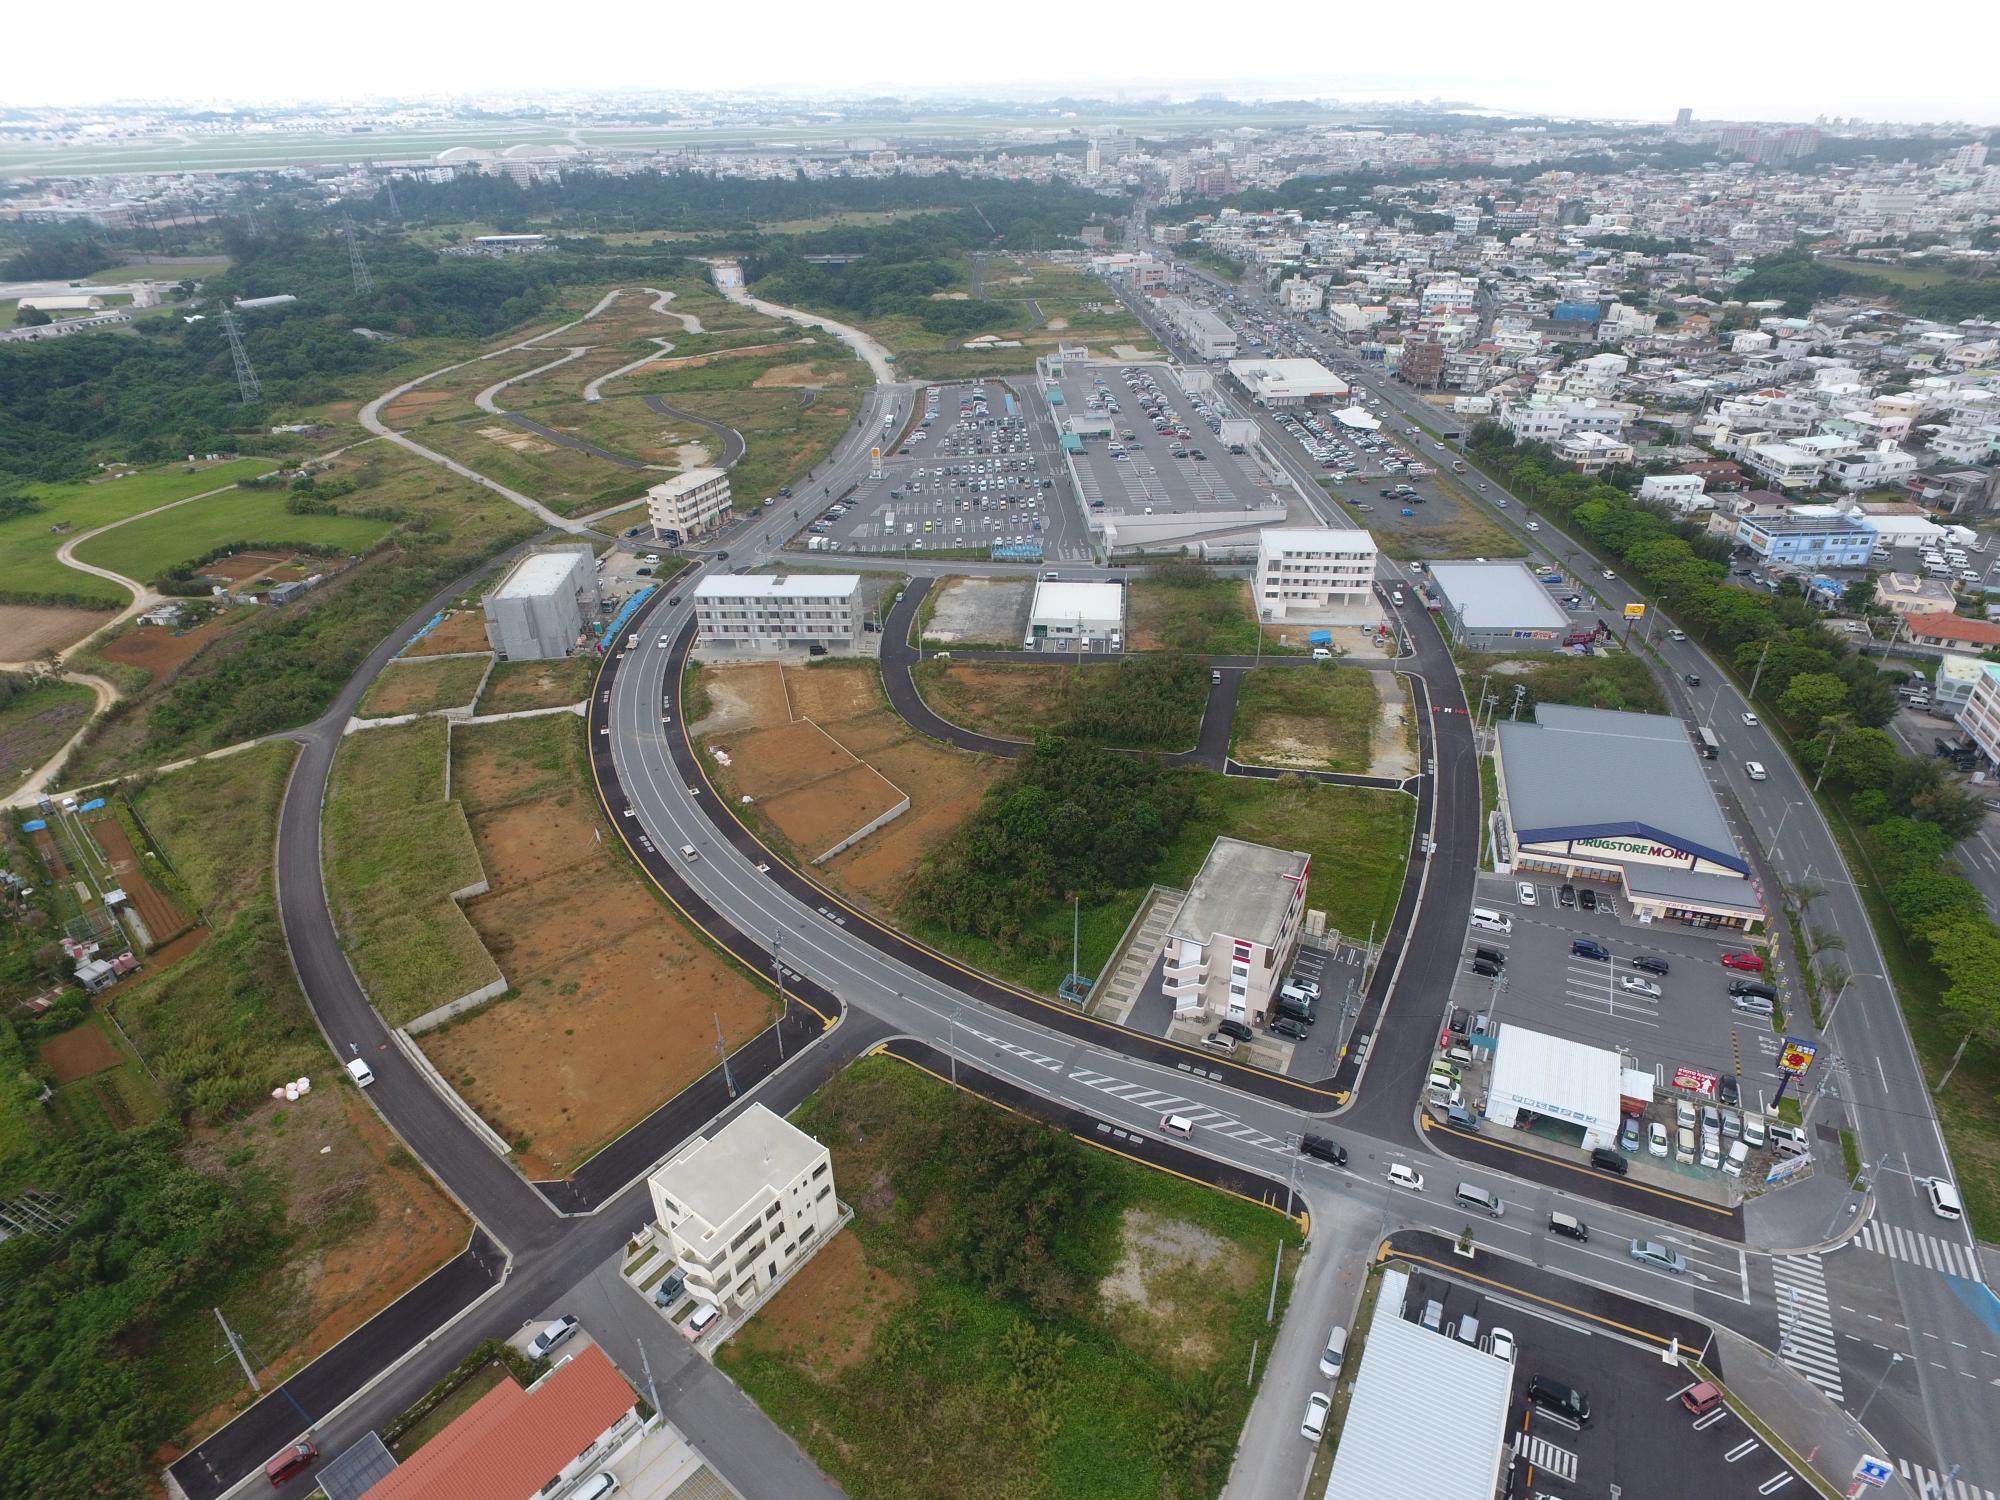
x=777, y=611
x=1309, y=573
x=1236, y=930
x=743, y=1206
x=689, y=505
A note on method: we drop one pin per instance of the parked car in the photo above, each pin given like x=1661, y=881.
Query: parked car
x=1566, y=895
x=1650, y=965
x=1526, y=891
x=1285, y=1026
x=1317, y=1406
x=1587, y=899
x=1750, y=963
x=1656, y=1139
x=1633, y=984
x=554, y=1335
x=1628, y=1134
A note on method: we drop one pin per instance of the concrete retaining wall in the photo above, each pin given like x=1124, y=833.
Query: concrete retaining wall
x=430, y=1020
x=445, y=1091
x=865, y=829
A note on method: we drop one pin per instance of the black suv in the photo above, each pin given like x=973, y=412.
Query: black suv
x=1585, y=948
x=1236, y=1029
x=1607, y=1160
x=1728, y=1092
x=1650, y=965
x=1324, y=1148
x=1560, y=1398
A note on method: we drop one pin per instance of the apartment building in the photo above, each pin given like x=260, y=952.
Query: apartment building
x=1980, y=718
x=778, y=611
x=1784, y=464
x=1235, y=931
x=744, y=1205
x=689, y=505
x=1829, y=539
x=1682, y=491
x=1592, y=452
x=1306, y=573
x=1872, y=468
x=538, y=611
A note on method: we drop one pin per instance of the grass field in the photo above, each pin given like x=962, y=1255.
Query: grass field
x=1359, y=841
x=1614, y=679
x=569, y=482
x=189, y=270
x=394, y=852
x=1211, y=616
x=424, y=685
x=516, y=685
x=28, y=566
x=35, y=724
x=1321, y=718
x=1913, y=277
x=1122, y=1376
x=149, y=548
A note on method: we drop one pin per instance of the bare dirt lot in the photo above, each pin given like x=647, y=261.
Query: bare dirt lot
x=813, y=788
x=981, y=610
x=408, y=687
x=158, y=650
x=79, y=1052
x=516, y=685
x=242, y=567
x=162, y=915
x=30, y=629
x=827, y=1314
x=461, y=630
x=845, y=701
x=412, y=406
x=615, y=999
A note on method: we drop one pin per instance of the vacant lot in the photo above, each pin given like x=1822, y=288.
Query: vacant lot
x=516, y=685
x=976, y=612
x=28, y=565
x=845, y=701
x=1113, y=1322
x=1609, y=679
x=1319, y=718
x=416, y=687
x=460, y=630
x=37, y=722
x=994, y=697
x=395, y=850
x=149, y=548
x=566, y=480
x=31, y=629
x=1449, y=526
x=614, y=999
x=1187, y=609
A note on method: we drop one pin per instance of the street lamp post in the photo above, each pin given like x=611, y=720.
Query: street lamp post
x=1781, y=824
x=1895, y=1358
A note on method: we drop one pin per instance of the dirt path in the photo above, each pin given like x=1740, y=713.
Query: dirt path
x=729, y=281
x=29, y=790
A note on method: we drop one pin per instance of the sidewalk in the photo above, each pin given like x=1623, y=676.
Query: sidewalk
x=1813, y=1427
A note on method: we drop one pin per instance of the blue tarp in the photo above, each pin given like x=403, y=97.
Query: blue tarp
x=91, y=806
x=1320, y=638
x=429, y=625
x=35, y=825
x=1017, y=552
x=1010, y=406
x=618, y=620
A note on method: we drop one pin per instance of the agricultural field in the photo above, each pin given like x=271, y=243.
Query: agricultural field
x=100, y=1085
x=33, y=630
x=517, y=685
x=614, y=999
x=1321, y=718
x=37, y=721
x=423, y=686
x=29, y=571
x=860, y=744
x=147, y=549
x=1113, y=1320
x=395, y=850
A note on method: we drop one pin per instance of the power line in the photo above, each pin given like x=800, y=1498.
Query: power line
x=246, y=378
x=364, y=284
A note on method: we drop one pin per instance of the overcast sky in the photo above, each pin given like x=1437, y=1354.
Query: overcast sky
x=1751, y=61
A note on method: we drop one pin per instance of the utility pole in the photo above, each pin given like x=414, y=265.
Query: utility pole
x=778, y=967
x=236, y=1348
x=653, y=1390
x=1520, y=692
x=1826, y=762
x=723, y=1052
x=1759, y=672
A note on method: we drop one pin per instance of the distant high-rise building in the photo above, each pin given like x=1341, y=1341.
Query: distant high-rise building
x=1093, y=160
x=1684, y=118
x=1966, y=161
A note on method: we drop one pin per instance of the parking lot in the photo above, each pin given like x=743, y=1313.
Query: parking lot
x=1165, y=454
x=974, y=473
x=1638, y=1429
x=1280, y=1044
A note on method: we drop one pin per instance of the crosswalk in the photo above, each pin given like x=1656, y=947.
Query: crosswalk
x=1212, y=1120
x=1931, y=1485
x=1546, y=1456
x=1919, y=1249
x=1805, y=1324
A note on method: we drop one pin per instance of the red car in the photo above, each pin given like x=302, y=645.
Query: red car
x=293, y=1460
x=1749, y=962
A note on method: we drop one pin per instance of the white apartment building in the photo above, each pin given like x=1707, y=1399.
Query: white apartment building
x=1980, y=717
x=776, y=611
x=1549, y=419
x=1304, y=573
x=689, y=505
x=1784, y=465
x=1235, y=932
x=741, y=1207
x=1296, y=294
x=1871, y=468
x=1682, y=491
x=1350, y=317
x=1592, y=452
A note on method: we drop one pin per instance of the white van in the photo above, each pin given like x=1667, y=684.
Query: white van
x=1489, y=920
x=1944, y=1199
x=360, y=1072
x=597, y=1487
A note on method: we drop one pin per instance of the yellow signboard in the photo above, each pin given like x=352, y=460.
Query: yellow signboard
x=1635, y=611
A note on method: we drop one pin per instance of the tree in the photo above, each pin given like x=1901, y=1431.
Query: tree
x=1860, y=595
x=1811, y=698
x=1968, y=950
x=1864, y=759
x=31, y=317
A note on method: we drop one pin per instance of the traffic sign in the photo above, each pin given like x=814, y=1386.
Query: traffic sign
x=1873, y=1470
x=1635, y=611
x=1797, y=1056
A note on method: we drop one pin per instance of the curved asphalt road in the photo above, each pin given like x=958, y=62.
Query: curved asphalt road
x=729, y=437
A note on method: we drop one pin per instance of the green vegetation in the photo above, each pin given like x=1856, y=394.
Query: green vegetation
x=1141, y=703
x=37, y=717
x=1332, y=709
x=241, y=518
x=1073, y=819
x=472, y=1377
x=1608, y=679
x=395, y=850
x=29, y=571
x=1800, y=279
x=515, y=685
x=1179, y=604
x=423, y=685
x=1044, y=1326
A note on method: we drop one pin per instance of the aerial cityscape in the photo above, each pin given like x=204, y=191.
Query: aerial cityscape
x=1043, y=776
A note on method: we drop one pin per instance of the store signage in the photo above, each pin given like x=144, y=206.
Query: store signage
x=1797, y=1056
x=1694, y=1081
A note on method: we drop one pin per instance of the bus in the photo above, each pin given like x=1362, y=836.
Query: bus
x=1709, y=744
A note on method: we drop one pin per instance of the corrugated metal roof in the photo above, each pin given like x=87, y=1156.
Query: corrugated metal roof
x=1497, y=596
x=511, y=1442
x=1389, y=1446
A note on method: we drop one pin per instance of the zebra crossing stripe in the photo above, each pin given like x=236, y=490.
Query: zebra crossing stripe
x=1546, y=1456
x=1919, y=1249
x=1805, y=1324
x=1931, y=1485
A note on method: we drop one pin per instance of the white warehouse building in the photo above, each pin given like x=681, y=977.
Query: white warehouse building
x=776, y=611
x=1538, y=1077
x=1286, y=382
x=538, y=611
x=1076, y=617
x=1314, y=573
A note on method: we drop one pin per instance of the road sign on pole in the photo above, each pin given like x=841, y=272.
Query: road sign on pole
x=1875, y=1471
x=1635, y=611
